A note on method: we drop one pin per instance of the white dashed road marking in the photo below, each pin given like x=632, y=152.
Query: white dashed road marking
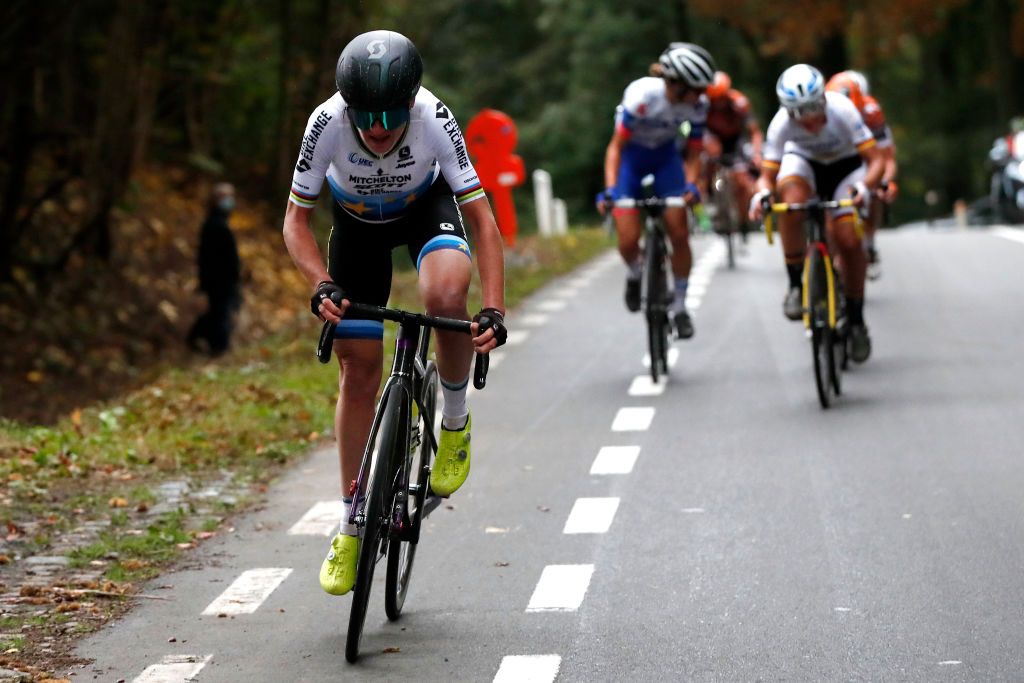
x=530, y=319
x=174, y=669
x=633, y=419
x=248, y=592
x=517, y=337
x=528, y=669
x=561, y=588
x=591, y=516
x=321, y=520
x=643, y=386
x=615, y=460
x=552, y=306
x=673, y=356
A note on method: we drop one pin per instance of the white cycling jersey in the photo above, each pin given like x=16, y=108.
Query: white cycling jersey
x=380, y=190
x=648, y=119
x=843, y=135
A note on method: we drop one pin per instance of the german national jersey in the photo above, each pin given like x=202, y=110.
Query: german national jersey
x=379, y=190
x=646, y=118
x=843, y=135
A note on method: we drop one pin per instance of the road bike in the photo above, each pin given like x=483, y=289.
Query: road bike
x=656, y=291
x=823, y=301
x=727, y=220
x=391, y=494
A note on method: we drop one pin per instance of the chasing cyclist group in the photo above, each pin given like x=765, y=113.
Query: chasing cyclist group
x=397, y=169
x=828, y=139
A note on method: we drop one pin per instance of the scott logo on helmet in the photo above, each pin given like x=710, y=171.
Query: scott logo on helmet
x=377, y=49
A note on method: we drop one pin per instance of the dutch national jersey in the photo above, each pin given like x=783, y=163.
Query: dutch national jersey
x=380, y=190
x=844, y=134
x=646, y=118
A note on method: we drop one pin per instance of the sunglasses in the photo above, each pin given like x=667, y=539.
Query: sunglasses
x=390, y=119
x=806, y=110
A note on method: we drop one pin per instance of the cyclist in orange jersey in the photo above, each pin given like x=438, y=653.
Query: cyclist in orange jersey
x=855, y=86
x=730, y=120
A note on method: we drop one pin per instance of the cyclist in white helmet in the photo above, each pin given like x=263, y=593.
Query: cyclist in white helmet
x=817, y=144
x=646, y=141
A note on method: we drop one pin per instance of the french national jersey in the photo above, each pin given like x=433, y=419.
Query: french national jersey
x=843, y=135
x=380, y=190
x=646, y=118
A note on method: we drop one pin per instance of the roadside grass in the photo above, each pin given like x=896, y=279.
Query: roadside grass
x=238, y=420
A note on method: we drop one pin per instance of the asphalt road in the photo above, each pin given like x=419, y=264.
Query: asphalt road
x=726, y=529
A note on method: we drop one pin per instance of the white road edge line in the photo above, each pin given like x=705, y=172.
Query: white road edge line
x=673, y=356
x=633, y=419
x=615, y=460
x=321, y=520
x=530, y=319
x=552, y=305
x=173, y=669
x=561, y=588
x=517, y=337
x=248, y=592
x=643, y=386
x=528, y=669
x=591, y=516
x=1009, y=234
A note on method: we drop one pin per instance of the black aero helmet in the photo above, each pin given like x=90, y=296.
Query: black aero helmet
x=378, y=73
x=688, y=63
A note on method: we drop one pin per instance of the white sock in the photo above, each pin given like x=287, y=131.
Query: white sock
x=635, y=270
x=679, y=297
x=454, y=411
x=346, y=528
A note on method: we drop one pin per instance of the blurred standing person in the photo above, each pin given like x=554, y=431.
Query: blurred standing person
x=219, y=271
x=645, y=141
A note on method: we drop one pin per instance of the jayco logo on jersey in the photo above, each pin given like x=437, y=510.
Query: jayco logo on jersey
x=377, y=49
x=358, y=160
x=405, y=157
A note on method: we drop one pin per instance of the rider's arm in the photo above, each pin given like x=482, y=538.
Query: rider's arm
x=875, y=160
x=489, y=254
x=612, y=156
x=692, y=160
x=298, y=238
x=756, y=139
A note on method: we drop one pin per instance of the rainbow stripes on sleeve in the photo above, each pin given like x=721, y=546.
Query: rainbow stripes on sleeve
x=304, y=200
x=469, y=194
x=867, y=144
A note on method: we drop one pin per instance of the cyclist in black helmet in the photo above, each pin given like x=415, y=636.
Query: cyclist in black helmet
x=398, y=171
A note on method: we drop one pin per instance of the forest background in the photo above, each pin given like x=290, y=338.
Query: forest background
x=117, y=115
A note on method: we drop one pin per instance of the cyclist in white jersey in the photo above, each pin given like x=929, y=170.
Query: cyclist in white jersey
x=646, y=141
x=817, y=144
x=398, y=171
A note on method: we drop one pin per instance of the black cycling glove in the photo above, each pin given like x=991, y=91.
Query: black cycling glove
x=325, y=290
x=492, y=318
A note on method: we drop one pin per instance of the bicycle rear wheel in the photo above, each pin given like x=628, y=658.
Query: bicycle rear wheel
x=402, y=546
x=656, y=305
x=822, y=342
x=378, y=494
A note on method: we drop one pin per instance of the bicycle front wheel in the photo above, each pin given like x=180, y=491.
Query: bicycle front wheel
x=818, y=292
x=414, y=481
x=382, y=445
x=656, y=305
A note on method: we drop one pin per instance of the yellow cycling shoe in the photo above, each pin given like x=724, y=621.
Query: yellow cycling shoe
x=451, y=467
x=338, y=572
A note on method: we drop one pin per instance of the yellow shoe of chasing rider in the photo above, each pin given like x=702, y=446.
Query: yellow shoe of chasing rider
x=338, y=572
x=451, y=467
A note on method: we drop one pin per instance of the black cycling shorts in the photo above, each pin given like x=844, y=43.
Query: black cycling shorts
x=828, y=176
x=359, y=253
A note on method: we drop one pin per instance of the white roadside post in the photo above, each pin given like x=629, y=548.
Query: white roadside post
x=560, y=217
x=542, y=200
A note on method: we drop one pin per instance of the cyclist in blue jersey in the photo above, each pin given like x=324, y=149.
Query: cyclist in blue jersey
x=646, y=141
x=399, y=174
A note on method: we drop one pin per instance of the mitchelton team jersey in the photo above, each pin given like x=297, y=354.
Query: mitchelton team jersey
x=874, y=118
x=646, y=118
x=380, y=190
x=844, y=134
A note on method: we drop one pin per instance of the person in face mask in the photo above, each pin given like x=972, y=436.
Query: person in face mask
x=219, y=271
